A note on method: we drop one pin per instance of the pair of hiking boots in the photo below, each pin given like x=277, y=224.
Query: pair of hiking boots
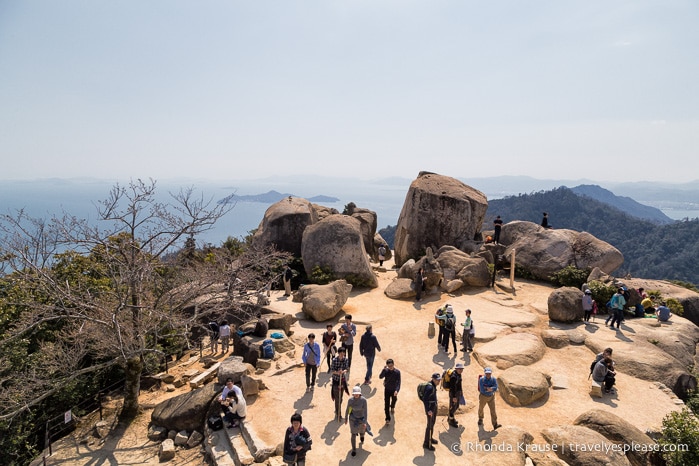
x=430, y=447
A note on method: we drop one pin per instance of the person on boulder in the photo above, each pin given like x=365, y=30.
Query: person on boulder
x=603, y=372
x=497, y=225
x=419, y=283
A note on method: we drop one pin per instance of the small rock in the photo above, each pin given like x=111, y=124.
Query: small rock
x=167, y=450
x=170, y=388
x=194, y=439
x=101, y=429
x=264, y=363
x=168, y=378
x=172, y=434
x=157, y=433
x=181, y=438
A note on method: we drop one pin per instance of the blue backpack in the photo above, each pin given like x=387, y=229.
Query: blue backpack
x=268, y=349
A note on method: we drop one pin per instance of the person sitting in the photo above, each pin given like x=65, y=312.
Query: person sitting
x=603, y=373
x=663, y=313
x=648, y=306
x=237, y=409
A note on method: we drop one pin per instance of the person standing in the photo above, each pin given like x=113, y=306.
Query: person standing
x=456, y=393
x=487, y=387
x=497, y=225
x=349, y=331
x=311, y=359
x=297, y=441
x=449, y=329
x=382, y=255
x=419, y=283
x=213, y=336
x=391, y=387
x=618, y=302
x=329, y=340
x=440, y=318
x=429, y=400
x=339, y=380
x=469, y=332
x=545, y=220
x=587, y=304
x=225, y=334
x=357, y=415
x=368, y=345
x=288, y=274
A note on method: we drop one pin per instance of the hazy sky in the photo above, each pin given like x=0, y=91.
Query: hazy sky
x=368, y=88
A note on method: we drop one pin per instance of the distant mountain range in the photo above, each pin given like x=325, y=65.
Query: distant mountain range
x=623, y=203
x=270, y=197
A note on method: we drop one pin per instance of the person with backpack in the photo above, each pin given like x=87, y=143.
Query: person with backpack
x=487, y=387
x=382, y=255
x=391, y=387
x=329, y=340
x=213, y=336
x=618, y=302
x=297, y=441
x=456, y=393
x=311, y=359
x=440, y=317
x=449, y=329
x=348, y=331
x=429, y=401
x=469, y=333
x=368, y=345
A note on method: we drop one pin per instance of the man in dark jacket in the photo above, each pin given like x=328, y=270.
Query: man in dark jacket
x=455, y=393
x=429, y=399
x=391, y=387
x=367, y=348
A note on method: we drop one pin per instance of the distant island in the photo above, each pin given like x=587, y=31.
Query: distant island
x=270, y=197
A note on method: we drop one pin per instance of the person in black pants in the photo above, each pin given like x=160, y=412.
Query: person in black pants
x=429, y=400
x=497, y=224
x=391, y=387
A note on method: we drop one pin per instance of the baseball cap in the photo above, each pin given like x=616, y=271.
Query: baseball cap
x=488, y=370
x=437, y=376
x=459, y=366
x=357, y=391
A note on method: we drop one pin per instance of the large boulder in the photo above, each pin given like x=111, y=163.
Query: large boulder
x=378, y=241
x=621, y=432
x=583, y=447
x=542, y=251
x=565, y=305
x=472, y=271
x=233, y=367
x=516, y=349
x=367, y=225
x=521, y=385
x=432, y=271
x=281, y=322
x=284, y=223
x=438, y=210
x=400, y=288
x=337, y=243
x=509, y=447
x=184, y=412
x=323, y=302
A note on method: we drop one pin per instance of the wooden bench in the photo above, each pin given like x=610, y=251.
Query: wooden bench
x=595, y=389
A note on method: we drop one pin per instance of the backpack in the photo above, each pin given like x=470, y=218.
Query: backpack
x=449, y=323
x=215, y=422
x=446, y=378
x=592, y=367
x=478, y=386
x=421, y=390
x=268, y=349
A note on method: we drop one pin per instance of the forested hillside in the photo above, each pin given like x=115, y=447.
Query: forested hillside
x=669, y=252
x=650, y=251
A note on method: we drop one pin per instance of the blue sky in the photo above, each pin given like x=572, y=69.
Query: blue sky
x=606, y=90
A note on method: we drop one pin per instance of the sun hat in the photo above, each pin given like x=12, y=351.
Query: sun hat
x=357, y=390
x=488, y=370
x=459, y=366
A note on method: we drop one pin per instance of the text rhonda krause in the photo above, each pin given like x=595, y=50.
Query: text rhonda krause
x=577, y=447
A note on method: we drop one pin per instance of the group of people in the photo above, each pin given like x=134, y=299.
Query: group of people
x=446, y=324
x=618, y=303
x=602, y=370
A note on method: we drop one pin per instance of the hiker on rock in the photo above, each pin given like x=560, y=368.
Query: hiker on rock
x=368, y=345
x=456, y=393
x=286, y=277
x=429, y=400
x=497, y=225
x=391, y=387
x=419, y=283
x=449, y=329
x=440, y=318
x=339, y=381
x=487, y=386
x=469, y=333
x=382, y=255
x=587, y=304
x=311, y=359
x=297, y=441
x=617, y=303
x=348, y=331
x=329, y=349
x=357, y=415
x=224, y=332
x=603, y=372
x=237, y=409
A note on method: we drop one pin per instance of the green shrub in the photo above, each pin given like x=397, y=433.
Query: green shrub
x=357, y=281
x=675, y=306
x=601, y=293
x=679, y=433
x=521, y=272
x=322, y=276
x=570, y=276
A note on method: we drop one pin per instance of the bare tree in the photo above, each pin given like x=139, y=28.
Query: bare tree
x=112, y=288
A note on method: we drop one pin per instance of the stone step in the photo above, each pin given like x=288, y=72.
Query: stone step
x=241, y=452
x=259, y=449
x=218, y=446
x=204, y=377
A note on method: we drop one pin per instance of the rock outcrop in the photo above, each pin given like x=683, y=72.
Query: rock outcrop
x=438, y=210
x=582, y=446
x=336, y=243
x=323, y=302
x=284, y=223
x=184, y=412
x=516, y=349
x=367, y=225
x=521, y=385
x=565, y=305
x=543, y=252
x=472, y=271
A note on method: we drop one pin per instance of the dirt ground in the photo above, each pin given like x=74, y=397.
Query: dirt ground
x=401, y=327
